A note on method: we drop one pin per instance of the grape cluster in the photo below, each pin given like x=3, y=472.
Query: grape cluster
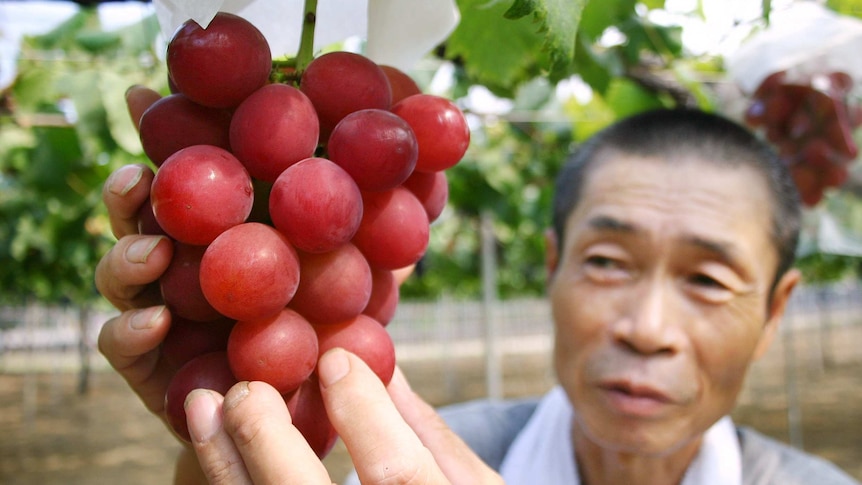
x=811, y=122
x=289, y=206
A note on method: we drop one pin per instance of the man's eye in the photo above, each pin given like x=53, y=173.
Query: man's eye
x=602, y=262
x=603, y=269
x=706, y=281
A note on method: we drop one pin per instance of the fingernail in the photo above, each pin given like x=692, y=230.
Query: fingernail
x=146, y=318
x=124, y=179
x=202, y=414
x=333, y=366
x=236, y=395
x=140, y=250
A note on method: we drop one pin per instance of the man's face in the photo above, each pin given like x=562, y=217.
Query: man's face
x=660, y=299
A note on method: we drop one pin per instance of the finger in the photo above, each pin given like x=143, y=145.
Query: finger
x=219, y=458
x=457, y=461
x=125, y=274
x=130, y=343
x=138, y=99
x=274, y=451
x=125, y=191
x=383, y=447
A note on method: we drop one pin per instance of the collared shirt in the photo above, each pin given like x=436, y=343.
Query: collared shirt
x=543, y=452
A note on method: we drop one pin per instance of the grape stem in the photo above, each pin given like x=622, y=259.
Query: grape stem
x=306, y=42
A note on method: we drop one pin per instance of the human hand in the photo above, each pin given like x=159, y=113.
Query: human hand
x=126, y=276
x=392, y=435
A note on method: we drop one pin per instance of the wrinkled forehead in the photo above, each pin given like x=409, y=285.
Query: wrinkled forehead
x=699, y=190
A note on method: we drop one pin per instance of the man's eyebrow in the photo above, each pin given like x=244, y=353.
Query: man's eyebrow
x=724, y=250
x=607, y=223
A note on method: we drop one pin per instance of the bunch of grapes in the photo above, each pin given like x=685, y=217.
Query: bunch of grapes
x=289, y=206
x=811, y=122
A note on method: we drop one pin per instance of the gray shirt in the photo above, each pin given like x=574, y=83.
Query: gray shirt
x=490, y=427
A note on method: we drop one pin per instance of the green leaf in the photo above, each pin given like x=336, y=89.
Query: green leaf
x=65, y=33
x=626, y=98
x=589, y=118
x=558, y=20
x=653, y=4
x=502, y=53
x=594, y=67
x=644, y=35
x=497, y=52
x=139, y=37
x=98, y=42
x=598, y=15
x=35, y=84
x=57, y=154
x=852, y=8
x=112, y=89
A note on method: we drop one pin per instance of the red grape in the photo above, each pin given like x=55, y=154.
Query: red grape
x=440, y=128
x=316, y=204
x=384, y=296
x=432, y=190
x=377, y=148
x=275, y=127
x=147, y=223
x=188, y=339
x=207, y=371
x=280, y=350
x=221, y=65
x=339, y=83
x=365, y=337
x=249, y=271
x=394, y=229
x=181, y=287
x=401, y=84
x=810, y=126
x=175, y=122
x=334, y=286
x=199, y=192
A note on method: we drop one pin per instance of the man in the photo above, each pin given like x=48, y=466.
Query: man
x=669, y=271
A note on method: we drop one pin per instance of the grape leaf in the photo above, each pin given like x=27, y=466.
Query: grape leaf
x=598, y=16
x=502, y=52
x=112, y=87
x=558, y=20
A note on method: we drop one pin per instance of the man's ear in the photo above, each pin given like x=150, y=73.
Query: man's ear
x=552, y=253
x=780, y=297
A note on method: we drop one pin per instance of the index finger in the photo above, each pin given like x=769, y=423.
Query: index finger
x=383, y=447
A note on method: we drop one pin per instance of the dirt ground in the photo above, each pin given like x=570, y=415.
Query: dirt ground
x=49, y=434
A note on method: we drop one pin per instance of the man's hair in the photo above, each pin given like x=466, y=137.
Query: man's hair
x=711, y=139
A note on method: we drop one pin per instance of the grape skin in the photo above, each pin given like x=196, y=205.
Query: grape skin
x=281, y=350
x=316, y=204
x=249, y=271
x=199, y=192
x=339, y=83
x=273, y=129
x=176, y=122
x=376, y=147
x=221, y=65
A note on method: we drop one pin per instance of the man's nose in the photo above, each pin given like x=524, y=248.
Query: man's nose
x=650, y=325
